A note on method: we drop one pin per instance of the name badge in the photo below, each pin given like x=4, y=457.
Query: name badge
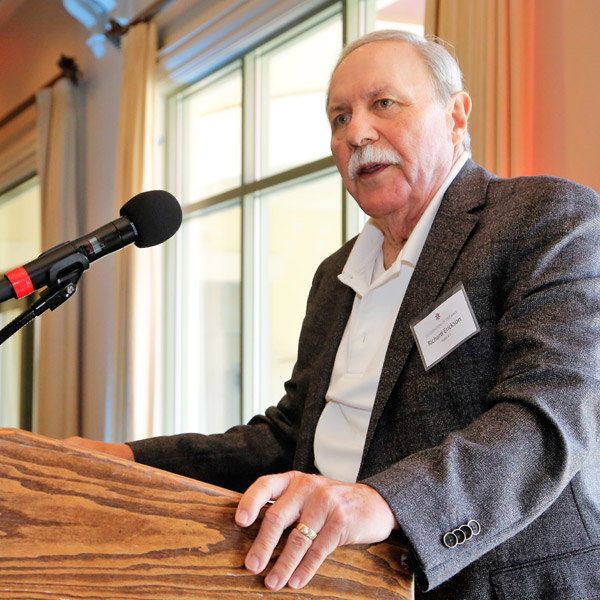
x=448, y=325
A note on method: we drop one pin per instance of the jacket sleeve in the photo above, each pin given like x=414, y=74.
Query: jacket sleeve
x=540, y=424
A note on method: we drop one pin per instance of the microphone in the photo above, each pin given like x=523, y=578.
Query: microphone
x=148, y=219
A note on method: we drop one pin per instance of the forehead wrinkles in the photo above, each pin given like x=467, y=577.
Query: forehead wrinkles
x=405, y=65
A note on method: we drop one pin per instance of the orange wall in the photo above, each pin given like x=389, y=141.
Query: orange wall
x=31, y=43
x=567, y=90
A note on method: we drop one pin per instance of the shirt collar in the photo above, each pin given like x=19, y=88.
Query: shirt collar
x=358, y=270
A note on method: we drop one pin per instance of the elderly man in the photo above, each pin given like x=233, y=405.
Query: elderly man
x=447, y=377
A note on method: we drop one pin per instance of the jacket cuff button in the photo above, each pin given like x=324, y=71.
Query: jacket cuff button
x=468, y=532
x=474, y=526
x=450, y=540
x=460, y=535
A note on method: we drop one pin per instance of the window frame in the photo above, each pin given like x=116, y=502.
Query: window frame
x=357, y=17
x=251, y=186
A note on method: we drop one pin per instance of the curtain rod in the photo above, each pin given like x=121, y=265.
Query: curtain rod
x=68, y=69
x=115, y=30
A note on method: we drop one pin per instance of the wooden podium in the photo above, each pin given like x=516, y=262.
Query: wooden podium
x=83, y=525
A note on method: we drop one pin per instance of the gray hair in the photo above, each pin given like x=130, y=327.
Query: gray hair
x=446, y=76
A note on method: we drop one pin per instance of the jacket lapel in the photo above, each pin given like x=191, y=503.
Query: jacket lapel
x=449, y=232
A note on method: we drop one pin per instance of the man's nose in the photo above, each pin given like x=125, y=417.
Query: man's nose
x=360, y=130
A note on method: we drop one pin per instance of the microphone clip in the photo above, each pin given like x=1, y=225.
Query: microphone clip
x=63, y=278
x=70, y=268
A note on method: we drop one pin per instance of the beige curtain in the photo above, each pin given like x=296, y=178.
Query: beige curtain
x=57, y=413
x=493, y=41
x=137, y=328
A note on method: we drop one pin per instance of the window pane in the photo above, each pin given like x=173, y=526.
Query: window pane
x=10, y=370
x=304, y=226
x=20, y=225
x=295, y=80
x=210, y=321
x=20, y=242
x=212, y=138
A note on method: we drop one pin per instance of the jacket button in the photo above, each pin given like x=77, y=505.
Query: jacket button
x=474, y=526
x=460, y=536
x=467, y=531
x=450, y=540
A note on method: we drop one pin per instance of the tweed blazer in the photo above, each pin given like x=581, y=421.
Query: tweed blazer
x=504, y=431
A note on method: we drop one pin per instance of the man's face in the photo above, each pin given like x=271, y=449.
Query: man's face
x=391, y=139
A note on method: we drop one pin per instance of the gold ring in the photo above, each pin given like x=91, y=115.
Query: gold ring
x=306, y=531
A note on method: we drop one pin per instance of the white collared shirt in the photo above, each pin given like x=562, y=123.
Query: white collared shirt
x=342, y=428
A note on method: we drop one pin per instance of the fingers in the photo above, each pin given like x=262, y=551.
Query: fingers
x=293, y=491
x=277, y=518
x=257, y=495
x=325, y=510
x=339, y=514
x=301, y=557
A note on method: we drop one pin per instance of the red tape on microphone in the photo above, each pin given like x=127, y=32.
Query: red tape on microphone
x=19, y=279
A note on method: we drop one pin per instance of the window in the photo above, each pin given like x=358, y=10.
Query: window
x=20, y=242
x=248, y=156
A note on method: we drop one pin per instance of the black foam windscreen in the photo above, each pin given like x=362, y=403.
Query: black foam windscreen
x=156, y=216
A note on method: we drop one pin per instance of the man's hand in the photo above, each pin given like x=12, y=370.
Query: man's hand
x=120, y=450
x=340, y=513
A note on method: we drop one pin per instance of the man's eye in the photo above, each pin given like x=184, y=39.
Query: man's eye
x=341, y=120
x=384, y=103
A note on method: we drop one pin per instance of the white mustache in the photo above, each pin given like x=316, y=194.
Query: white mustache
x=372, y=154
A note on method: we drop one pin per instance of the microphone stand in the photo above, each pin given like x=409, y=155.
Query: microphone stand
x=63, y=277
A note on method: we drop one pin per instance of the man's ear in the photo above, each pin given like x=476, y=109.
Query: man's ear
x=461, y=109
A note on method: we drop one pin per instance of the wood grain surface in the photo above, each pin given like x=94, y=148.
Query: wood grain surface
x=80, y=525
